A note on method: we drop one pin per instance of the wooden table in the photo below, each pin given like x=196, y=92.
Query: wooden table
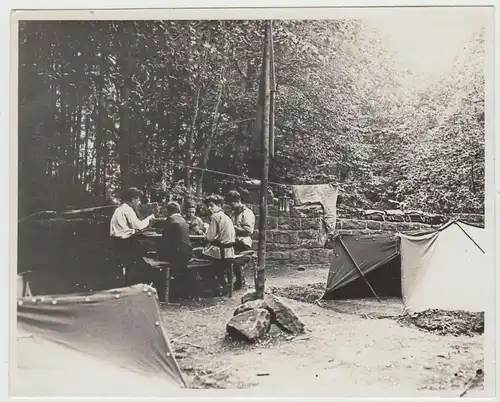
x=156, y=235
x=165, y=267
x=166, y=275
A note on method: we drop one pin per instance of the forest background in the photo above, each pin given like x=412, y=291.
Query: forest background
x=106, y=104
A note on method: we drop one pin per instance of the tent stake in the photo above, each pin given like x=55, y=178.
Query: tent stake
x=359, y=269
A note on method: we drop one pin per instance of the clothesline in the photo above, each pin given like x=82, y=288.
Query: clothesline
x=178, y=164
x=231, y=175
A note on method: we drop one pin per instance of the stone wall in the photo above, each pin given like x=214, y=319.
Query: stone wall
x=359, y=226
x=354, y=214
x=295, y=238
x=472, y=218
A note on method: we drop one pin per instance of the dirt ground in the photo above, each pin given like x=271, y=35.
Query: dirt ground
x=351, y=348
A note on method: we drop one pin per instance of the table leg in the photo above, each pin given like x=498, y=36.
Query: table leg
x=230, y=278
x=161, y=283
x=125, y=276
x=167, y=284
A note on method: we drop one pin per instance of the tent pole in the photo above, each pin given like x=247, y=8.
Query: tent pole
x=359, y=269
x=473, y=241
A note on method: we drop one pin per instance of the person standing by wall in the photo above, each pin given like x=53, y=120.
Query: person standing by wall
x=243, y=220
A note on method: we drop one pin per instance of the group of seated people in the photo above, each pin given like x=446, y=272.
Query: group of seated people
x=225, y=235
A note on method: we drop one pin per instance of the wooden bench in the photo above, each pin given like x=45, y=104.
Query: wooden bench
x=23, y=285
x=165, y=268
x=166, y=271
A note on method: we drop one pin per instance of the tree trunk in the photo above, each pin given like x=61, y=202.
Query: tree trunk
x=124, y=135
x=213, y=133
x=98, y=146
x=105, y=161
x=64, y=141
x=190, y=137
x=81, y=78
x=52, y=129
x=473, y=187
x=85, y=162
x=124, y=130
x=78, y=140
x=71, y=146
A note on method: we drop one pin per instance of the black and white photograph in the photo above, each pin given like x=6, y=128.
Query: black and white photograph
x=271, y=203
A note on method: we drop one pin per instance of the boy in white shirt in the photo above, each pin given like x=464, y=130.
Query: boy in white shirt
x=244, y=225
x=125, y=224
x=220, y=236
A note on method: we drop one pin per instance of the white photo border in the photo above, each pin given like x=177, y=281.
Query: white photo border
x=258, y=9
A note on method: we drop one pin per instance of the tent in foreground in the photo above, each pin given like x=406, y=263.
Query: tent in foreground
x=445, y=270
x=109, y=343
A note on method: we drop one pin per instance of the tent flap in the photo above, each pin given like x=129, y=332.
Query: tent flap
x=369, y=252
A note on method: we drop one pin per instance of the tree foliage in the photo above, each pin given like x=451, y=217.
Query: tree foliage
x=105, y=104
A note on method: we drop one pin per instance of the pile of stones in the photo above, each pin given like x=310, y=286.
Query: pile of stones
x=252, y=320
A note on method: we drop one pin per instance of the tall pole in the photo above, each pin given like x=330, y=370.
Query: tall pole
x=260, y=277
x=272, y=89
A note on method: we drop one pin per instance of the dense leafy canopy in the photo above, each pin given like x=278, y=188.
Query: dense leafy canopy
x=109, y=103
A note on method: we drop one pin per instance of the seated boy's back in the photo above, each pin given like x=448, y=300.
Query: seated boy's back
x=175, y=244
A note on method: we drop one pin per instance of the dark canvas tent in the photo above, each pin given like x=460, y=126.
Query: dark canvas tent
x=359, y=259
x=109, y=343
x=365, y=265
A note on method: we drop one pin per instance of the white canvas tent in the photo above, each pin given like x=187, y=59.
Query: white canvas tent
x=445, y=270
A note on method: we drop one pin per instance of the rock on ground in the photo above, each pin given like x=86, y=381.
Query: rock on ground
x=283, y=315
x=249, y=295
x=251, y=305
x=250, y=325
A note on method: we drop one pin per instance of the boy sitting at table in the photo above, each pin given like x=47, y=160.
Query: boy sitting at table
x=220, y=236
x=124, y=226
x=175, y=246
x=196, y=225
